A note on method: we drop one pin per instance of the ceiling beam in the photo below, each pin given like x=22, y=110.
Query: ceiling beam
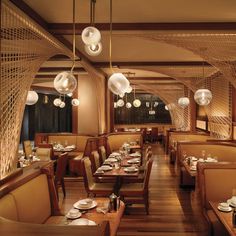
x=59, y=69
x=151, y=63
x=150, y=78
x=67, y=29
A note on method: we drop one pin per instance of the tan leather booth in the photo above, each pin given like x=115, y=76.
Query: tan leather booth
x=30, y=200
x=225, y=152
x=116, y=140
x=178, y=136
x=216, y=182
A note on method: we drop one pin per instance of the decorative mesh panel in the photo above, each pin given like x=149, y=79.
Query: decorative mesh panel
x=220, y=51
x=24, y=47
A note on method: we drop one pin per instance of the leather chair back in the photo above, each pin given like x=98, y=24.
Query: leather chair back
x=87, y=172
x=103, y=153
x=95, y=160
x=61, y=166
x=44, y=154
x=27, y=148
x=147, y=174
x=47, y=145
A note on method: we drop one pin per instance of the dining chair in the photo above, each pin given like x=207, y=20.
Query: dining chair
x=60, y=172
x=147, y=156
x=138, y=193
x=95, y=160
x=103, y=154
x=90, y=185
x=27, y=148
x=44, y=154
x=48, y=145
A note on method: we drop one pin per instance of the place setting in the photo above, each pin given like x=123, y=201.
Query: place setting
x=85, y=204
x=134, y=161
x=131, y=169
x=224, y=207
x=232, y=201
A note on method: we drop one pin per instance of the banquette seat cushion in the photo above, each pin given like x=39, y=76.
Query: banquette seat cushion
x=28, y=203
x=117, y=140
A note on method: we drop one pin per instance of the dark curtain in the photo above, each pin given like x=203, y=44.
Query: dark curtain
x=44, y=117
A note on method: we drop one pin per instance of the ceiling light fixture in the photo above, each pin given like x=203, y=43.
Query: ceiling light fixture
x=32, y=98
x=117, y=83
x=183, y=102
x=166, y=108
x=91, y=36
x=65, y=82
x=203, y=96
x=136, y=102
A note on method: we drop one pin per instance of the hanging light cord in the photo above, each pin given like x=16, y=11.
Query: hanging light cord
x=92, y=12
x=110, y=42
x=73, y=65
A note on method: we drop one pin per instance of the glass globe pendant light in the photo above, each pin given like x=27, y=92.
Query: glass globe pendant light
x=183, y=102
x=57, y=102
x=136, y=102
x=65, y=82
x=166, y=108
x=203, y=97
x=91, y=36
x=120, y=103
x=75, y=102
x=129, y=90
x=32, y=98
x=117, y=82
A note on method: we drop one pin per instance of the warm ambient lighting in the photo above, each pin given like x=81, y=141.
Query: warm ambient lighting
x=91, y=35
x=57, y=102
x=115, y=105
x=128, y=105
x=62, y=104
x=32, y=98
x=183, y=102
x=75, y=102
x=137, y=103
x=93, y=49
x=203, y=97
x=166, y=107
x=120, y=103
x=129, y=89
x=118, y=83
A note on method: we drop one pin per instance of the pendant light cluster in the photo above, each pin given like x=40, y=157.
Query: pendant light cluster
x=117, y=83
x=65, y=82
x=91, y=36
x=183, y=102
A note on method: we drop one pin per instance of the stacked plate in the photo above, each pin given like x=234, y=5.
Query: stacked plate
x=105, y=168
x=130, y=169
x=224, y=206
x=136, y=154
x=134, y=161
x=85, y=204
x=232, y=202
x=73, y=214
x=82, y=221
x=111, y=159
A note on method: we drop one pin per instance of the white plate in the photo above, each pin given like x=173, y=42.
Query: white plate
x=133, y=161
x=82, y=221
x=78, y=206
x=114, y=154
x=127, y=169
x=136, y=154
x=231, y=203
x=68, y=216
x=105, y=168
x=224, y=209
x=111, y=159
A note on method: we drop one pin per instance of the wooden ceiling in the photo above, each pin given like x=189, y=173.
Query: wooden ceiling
x=149, y=60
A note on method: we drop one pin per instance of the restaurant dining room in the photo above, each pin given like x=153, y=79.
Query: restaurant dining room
x=118, y=118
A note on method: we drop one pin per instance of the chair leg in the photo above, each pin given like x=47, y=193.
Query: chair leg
x=63, y=187
x=146, y=200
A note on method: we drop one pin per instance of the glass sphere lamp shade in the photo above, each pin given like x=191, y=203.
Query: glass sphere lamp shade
x=32, y=98
x=91, y=35
x=93, y=49
x=57, y=102
x=120, y=103
x=183, y=102
x=166, y=107
x=203, y=97
x=115, y=105
x=118, y=83
x=137, y=103
x=128, y=105
x=62, y=105
x=129, y=90
x=65, y=82
x=75, y=102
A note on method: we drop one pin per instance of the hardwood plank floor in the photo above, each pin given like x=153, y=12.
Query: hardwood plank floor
x=172, y=211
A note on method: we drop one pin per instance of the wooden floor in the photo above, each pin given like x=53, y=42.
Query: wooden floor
x=172, y=213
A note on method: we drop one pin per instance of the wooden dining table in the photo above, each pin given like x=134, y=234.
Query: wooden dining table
x=119, y=174
x=224, y=217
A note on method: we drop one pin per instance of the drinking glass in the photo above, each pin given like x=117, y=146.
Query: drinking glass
x=203, y=154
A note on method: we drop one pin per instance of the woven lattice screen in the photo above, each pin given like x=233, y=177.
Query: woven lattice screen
x=24, y=47
x=220, y=51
